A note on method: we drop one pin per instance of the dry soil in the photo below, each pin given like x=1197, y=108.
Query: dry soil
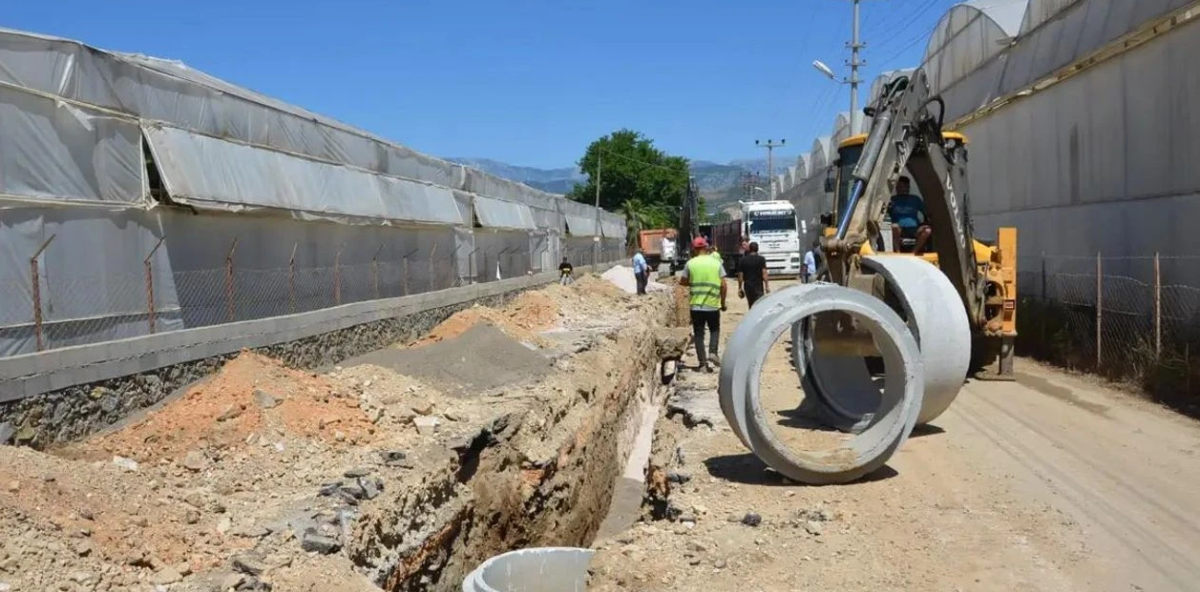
x=1051, y=483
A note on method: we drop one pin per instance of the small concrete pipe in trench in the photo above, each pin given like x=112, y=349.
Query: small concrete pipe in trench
x=893, y=419
x=537, y=569
x=845, y=396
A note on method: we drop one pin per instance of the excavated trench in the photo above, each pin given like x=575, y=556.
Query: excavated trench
x=558, y=468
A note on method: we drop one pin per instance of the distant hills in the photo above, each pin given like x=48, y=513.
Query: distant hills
x=718, y=182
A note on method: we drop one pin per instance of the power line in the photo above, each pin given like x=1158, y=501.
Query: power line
x=899, y=52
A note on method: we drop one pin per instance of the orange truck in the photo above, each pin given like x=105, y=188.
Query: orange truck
x=658, y=245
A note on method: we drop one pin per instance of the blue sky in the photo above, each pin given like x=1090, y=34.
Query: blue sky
x=522, y=81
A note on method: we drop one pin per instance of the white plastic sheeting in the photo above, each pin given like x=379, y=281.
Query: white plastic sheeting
x=1108, y=150
x=217, y=174
x=612, y=225
x=79, y=278
x=821, y=155
x=340, y=215
x=580, y=218
x=969, y=35
x=155, y=91
x=1073, y=32
x=842, y=129
x=170, y=91
x=55, y=151
x=495, y=213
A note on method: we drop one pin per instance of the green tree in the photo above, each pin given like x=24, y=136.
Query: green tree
x=636, y=178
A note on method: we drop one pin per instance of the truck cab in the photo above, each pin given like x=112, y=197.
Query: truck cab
x=773, y=225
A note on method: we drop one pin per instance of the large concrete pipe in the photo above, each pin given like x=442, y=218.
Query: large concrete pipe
x=900, y=399
x=937, y=320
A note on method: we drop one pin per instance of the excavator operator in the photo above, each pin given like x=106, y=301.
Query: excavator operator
x=907, y=212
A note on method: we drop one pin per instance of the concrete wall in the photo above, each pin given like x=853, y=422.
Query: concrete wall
x=67, y=393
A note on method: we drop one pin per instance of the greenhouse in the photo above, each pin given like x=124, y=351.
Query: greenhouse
x=140, y=195
x=1078, y=114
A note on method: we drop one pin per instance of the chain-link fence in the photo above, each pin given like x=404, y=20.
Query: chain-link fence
x=49, y=309
x=1125, y=318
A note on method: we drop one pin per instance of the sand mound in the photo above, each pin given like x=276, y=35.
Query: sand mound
x=624, y=278
x=250, y=394
x=527, y=314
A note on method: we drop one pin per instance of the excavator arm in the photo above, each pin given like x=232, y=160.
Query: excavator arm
x=906, y=138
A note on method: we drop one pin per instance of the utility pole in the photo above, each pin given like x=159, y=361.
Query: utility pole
x=596, y=238
x=770, y=145
x=855, y=62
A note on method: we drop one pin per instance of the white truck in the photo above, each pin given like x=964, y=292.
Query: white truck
x=771, y=224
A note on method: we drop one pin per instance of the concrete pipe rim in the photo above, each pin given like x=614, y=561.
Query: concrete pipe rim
x=480, y=579
x=946, y=350
x=903, y=390
x=741, y=375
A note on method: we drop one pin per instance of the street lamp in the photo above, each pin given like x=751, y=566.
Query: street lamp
x=852, y=81
x=822, y=68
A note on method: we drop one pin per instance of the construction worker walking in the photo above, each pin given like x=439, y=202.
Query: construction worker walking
x=704, y=276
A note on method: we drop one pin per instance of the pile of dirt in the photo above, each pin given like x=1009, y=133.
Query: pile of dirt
x=481, y=359
x=251, y=395
x=521, y=319
x=588, y=299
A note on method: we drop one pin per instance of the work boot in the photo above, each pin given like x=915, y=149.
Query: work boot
x=714, y=358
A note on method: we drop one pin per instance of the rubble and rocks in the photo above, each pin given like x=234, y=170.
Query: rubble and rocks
x=267, y=477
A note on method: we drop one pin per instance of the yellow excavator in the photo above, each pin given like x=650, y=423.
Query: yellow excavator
x=886, y=340
x=906, y=139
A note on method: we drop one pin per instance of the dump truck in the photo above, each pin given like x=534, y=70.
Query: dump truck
x=658, y=245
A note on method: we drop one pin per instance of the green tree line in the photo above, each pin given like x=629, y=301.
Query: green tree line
x=636, y=179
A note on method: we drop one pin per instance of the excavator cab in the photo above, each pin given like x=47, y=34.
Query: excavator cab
x=993, y=314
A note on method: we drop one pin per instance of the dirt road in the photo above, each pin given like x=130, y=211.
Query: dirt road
x=1049, y=483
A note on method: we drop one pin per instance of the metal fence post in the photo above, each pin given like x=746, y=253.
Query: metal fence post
x=37, y=292
x=229, y=279
x=150, y=284
x=292, y=278
x=1157, y=307
x=375, y=269
x=471, y=266
x=1044, y=298
x=337, y=276
x=432, y=269
x=404, y=268
x=1099, y=311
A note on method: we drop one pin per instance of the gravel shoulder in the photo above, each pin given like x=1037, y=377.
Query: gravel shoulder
x=1046, y=483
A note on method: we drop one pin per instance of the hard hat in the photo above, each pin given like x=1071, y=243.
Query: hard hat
x=699, y=243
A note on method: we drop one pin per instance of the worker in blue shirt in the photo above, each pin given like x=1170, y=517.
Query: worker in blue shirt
x=907, y=212
x=641, y=271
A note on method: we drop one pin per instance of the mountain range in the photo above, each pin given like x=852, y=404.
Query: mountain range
x=719, y=182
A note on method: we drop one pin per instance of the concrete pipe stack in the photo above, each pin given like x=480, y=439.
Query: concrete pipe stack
x=925, y=345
